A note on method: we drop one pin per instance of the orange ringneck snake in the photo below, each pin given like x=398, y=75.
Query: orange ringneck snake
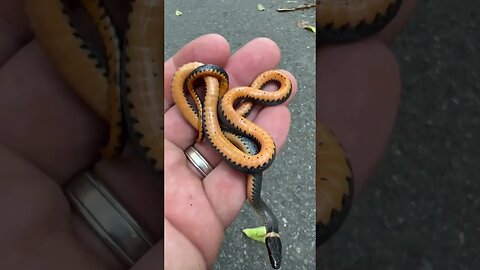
x=244, y=145
x=122, y=81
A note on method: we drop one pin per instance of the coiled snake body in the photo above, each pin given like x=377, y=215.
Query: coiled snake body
x=130, y=66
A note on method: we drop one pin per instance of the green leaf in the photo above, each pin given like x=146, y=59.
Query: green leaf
x=311, y=28
x=306, y=25
x=260, y=7
x=178, y=13
x=257, y=234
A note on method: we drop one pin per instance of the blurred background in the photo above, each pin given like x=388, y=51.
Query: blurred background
x=422, y=209
x=289, y=184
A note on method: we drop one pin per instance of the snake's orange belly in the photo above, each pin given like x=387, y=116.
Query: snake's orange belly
x=72, y=56
x=99, y=86
x=334, y=184
x=144, y=79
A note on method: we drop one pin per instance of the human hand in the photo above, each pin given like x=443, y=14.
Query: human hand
x=358, y=92
x=48, y=135
x=197, y=212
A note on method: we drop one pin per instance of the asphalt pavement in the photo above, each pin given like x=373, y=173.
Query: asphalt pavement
x=289, y=186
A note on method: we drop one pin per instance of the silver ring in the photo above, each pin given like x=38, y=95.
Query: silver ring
x=108, y=218
x=198, y=161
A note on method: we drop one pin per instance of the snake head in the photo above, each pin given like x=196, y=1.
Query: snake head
x=274, y=247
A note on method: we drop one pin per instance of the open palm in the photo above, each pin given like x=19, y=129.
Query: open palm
x=197, y=212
